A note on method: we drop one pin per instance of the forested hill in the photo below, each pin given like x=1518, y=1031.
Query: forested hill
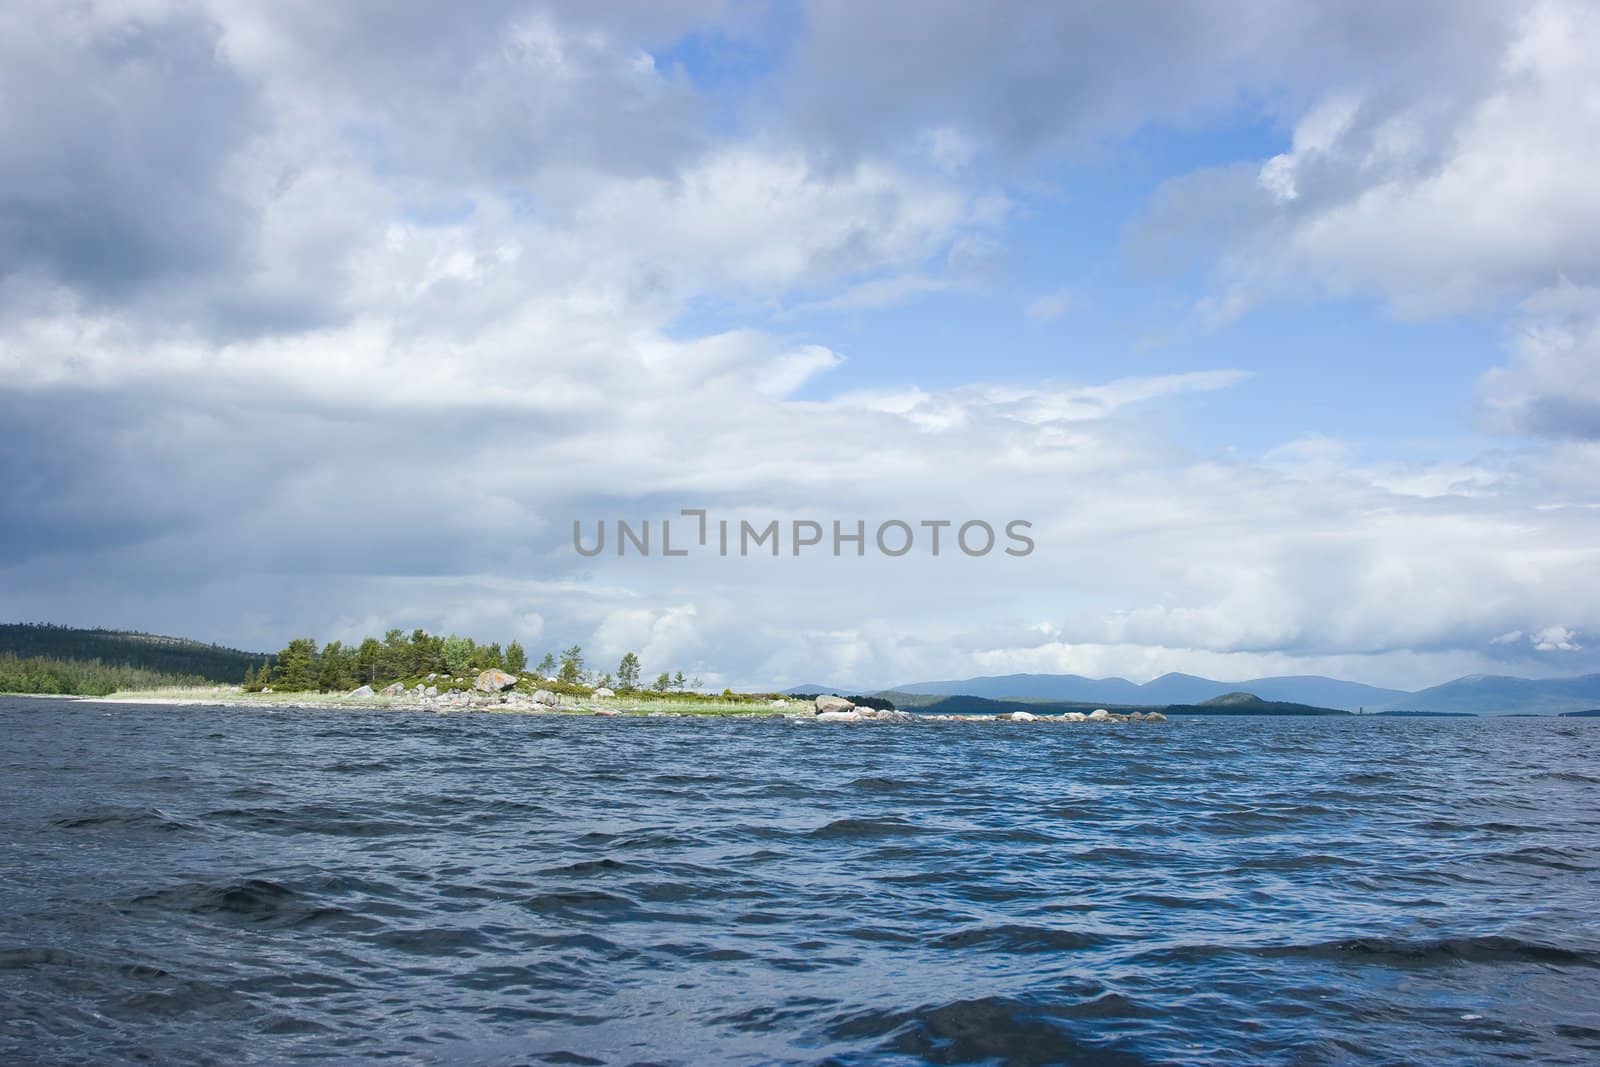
x=150, y=652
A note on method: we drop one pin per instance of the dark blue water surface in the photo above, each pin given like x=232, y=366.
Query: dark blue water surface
x=226, y=885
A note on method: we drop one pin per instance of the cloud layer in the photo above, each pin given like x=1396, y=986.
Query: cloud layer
x=320, y=321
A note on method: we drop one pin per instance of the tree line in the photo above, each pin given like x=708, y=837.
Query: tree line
x=88, y=678
x=335, y=667
x=169, y=656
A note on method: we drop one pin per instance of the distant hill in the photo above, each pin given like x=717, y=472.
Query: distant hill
x=930, y=704
x=1494, y=694
x=1238, y=703
x=1587, y=713
x=1171, y=688
x=1428, y=714
x=966, y=704
x=1479, y=694
x=122, y=648
x=813, y=688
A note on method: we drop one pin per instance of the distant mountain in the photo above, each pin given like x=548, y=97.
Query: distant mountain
x=813, y=688
x=1587, y=713
x=123, y=648
x=1172, y=688
x=1036, y=687
x=1494, y=694
x=1479, y=694
x=1248, y=704
x=966, y=704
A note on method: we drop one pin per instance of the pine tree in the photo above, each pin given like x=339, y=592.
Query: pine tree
x=516, y=658
x=368, y=658
x=572, y=665
x=628, y=671
x=297, y=665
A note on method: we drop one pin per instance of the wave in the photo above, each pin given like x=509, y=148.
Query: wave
x=1487, y=949
x=115, y=817
x=991, y=1029
x=1018, y=937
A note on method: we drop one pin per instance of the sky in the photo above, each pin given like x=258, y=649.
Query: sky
x=1279, y=324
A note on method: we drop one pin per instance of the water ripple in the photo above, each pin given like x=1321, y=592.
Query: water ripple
x=256, y=886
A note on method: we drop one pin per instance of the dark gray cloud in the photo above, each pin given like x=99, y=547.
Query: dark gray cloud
x=1024, y=79
x=116, y=138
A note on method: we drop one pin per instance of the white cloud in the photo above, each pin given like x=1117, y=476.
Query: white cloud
x=457, y=296
x=875, y=294
x=1452, y=198
x=1050, y=305
x=1552, y=384
x=1555, y=639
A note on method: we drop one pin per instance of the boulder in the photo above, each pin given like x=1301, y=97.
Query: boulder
x=1022, y=716
x=431, y=691
x=1099, y=715
x=839, y=716
x=780, y=703
x=393, y=689
x=607, y=712
x=826, y=704
x=433, y=677
x=1155, y=716
x=361, y=691
x=545, y=697
x=1075, y=716
x=603, y=693
x=493, y=680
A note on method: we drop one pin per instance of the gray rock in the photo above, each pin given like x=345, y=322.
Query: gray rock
x=780, y=703
x=361, y=691
x=493, y=680
x=839, y=716
x=1022, y=716
x=603, y=693
x=545, y=697
x=1099, y=715
x=1075, y=716
x=393, y=689
x=829, y=703
x=431, y=691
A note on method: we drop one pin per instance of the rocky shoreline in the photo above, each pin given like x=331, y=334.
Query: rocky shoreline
x=499, y=691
